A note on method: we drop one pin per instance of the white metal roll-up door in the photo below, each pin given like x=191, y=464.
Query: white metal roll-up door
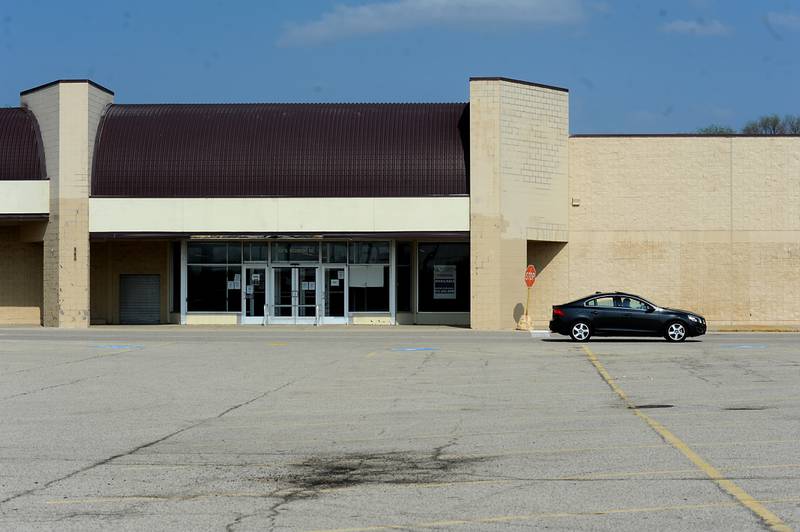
x=139, y=299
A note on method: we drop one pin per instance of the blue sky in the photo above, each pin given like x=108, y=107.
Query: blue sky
x=631, y=66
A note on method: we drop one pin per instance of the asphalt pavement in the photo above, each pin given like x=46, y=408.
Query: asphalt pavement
x=348, y=428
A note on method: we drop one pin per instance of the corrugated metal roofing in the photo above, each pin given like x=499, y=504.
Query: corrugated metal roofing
x=21, y=152
x=289, y=150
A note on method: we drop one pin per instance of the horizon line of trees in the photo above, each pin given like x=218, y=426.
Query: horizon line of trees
x=766, y=125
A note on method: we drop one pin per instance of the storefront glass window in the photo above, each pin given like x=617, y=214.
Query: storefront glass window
x=295, y=251
x=235, y=253
x=207, y=288
x=207, y=253
x=214, y=277
x=369, y=253
x=443, y=280
x=369, y=277
x=369, y=288
x=335, y=252
x=255, y=251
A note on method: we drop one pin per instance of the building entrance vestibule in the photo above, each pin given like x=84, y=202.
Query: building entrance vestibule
x=286, y=282
x=294, y=294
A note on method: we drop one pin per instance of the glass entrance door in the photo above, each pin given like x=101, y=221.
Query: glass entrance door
x=254, y=294
x=306, y=295
x=282, y=295
x=294, y=292
x=334, y=294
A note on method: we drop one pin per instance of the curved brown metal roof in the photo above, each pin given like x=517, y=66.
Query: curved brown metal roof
x=289, y=150
x=21, y=151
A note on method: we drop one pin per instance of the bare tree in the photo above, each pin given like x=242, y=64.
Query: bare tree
x=716, y=129
x=792, y=124
x=773, y=125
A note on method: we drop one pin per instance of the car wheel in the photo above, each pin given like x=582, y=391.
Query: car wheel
x=580, y=331
x=676, y=332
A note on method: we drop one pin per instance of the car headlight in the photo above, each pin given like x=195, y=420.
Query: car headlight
x=695, y=319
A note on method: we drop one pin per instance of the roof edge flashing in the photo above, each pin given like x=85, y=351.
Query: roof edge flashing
x=520, y=82
x=59, y=81
x=680, y=135
x=286, y=104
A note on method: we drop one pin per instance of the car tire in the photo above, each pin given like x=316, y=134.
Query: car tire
x=580, y=331
x=675, y=331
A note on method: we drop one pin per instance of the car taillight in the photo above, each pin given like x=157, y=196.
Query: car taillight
x=558, y=313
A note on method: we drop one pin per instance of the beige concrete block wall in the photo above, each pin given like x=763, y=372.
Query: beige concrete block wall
x=111, y=259
x=45, y=105
x=705, y=223
x=551, y=261
x=518, y=190
x=20, y=279
x=68, y=114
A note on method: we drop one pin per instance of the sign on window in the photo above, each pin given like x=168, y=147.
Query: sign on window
x=444, y=281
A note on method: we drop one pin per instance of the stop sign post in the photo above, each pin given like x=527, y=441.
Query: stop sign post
x=530, y=275
x=530, y=278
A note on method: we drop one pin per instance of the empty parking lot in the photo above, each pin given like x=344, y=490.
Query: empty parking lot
x=395, y=428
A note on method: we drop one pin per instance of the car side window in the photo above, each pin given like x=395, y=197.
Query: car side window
x=638, y=305
x=603, y=302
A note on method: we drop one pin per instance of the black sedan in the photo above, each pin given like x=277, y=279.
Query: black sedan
x=621, y=314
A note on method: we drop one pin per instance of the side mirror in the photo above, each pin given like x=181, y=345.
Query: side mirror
x=650, y=309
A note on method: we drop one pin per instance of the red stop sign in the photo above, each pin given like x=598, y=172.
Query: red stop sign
x=530, y=275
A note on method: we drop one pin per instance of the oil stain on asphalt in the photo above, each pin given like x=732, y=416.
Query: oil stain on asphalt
x=339, y=471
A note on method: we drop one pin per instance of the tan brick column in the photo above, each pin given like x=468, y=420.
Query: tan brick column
x=68, y=112
x=518, y=189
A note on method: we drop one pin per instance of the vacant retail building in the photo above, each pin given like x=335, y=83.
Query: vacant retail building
x=380, y=213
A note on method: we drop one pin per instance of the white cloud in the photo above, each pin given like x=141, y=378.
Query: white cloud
x=788, y=21
x=711, y=28
x=397, y=15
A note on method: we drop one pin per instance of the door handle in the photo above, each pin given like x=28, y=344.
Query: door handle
x=594, y=313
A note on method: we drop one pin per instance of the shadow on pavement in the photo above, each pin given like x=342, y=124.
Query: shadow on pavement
x=618, y=340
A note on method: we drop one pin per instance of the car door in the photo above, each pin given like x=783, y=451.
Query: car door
x=647, y=320
x=605, y=314
x=638, y=316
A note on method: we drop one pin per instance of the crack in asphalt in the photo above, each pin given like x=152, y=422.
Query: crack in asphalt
x=79, y=360
x=143, y=446
x=284, y=497
x=52, y=386
x=422, y=364
x=321, y=474
x=232, y=525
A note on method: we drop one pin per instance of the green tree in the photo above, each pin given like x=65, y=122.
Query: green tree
x=716, y=129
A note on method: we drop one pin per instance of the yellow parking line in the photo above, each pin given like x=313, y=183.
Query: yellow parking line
x=548, y=515
x=278, y=344
x=770, y=519
x=646, y=473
